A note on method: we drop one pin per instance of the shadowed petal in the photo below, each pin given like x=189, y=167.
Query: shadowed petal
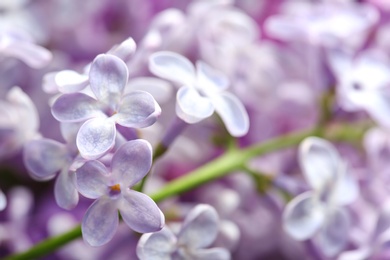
x=108, y=78
x=210, y=80
x=138, y=109
x=75, y=107
x=158, y=245
x=140, y=212
x=200, y=228
x=191, y=107
x=172, y=66
x=232, y=113
x=303, y=216
x=211, y=254
x=65, y=192
x=91, y=179
x=96, y=137
x=131, y=162
x=160, y=89
x=100, y=222
x=43, y=158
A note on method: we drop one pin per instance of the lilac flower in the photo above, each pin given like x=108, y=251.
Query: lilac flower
x=108, y=77
x=320, y=211
x=198, y=231
x=202, y=92
x=111, y=188
x=3, y=200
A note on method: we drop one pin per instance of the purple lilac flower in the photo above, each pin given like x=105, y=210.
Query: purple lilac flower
x=111, y=189
x=198, y=231
x=320, y=212
x=108, y=77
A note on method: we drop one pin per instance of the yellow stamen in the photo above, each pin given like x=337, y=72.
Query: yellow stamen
x=116, y=187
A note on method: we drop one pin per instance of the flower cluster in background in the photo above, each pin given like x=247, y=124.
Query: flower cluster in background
x=199, y=129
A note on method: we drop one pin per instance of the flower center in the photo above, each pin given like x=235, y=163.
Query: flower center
x=116, y=188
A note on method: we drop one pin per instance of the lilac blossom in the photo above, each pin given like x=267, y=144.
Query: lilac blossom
x=111, y=189
x=202, y=92
x=198, y=231
x=320, y=213
x=108, y=77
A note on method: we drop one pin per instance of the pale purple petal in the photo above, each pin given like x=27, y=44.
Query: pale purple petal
x=232, y=113
x=138, y=109
x=75, y=107
x=346, y=188
x=96, y=137
x=333, y=236
x=69, y=132
x=140, y=212
x=358, y=254
x=69, y=81
x=65, y=192
x=303, y=216
x=92, y=179
x=33, y=55
x=211, y=254
x=200, y=228
x=172, y=66
x=108, y=77
x=160, y=89
x=100, y=222
x=319, y=161
x=124, y=50
x=3, y=200
x=43, y=158
x=131, y=162
x=48, y=83
x=210, y=80
x=191, y=107
x=158, y=245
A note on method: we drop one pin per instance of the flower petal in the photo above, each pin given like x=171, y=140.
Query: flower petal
x=172, y=66
x=232, y=113
x=210, y=80
x=346, y=188
x=100, y=222
x=75, y=107
x=140, y=212
x=91, y=179
x=357, y=254
x=96, y=137
x=333, y=236
x=211, y=254
x=65, y=192
x=69, y=81
x=160, y=89
x=108, y=77
x=3, y=200
x=158, y=245
x=138, y=109
x=124, y=50
x=33, y=55
x=44, y=157
x=200, y=228
x=191, y=107
x=131, y=162
x=303, y=216
x=319, y=161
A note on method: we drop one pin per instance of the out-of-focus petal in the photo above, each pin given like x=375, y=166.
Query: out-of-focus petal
x=346, y=188
x=108, y=77
x=172, y=66
x=138, y=109
x=131, y=162
x=124, y=50
x=140, y=212
x=158, y=245
x=69, y=81
x=319, y=161
x=33, y=55
x=65, y=192
x=303, y=216
x=91, y=179
x=211, y=254
x=3, y=200
x=333, y=236
x=358, y=254
x=75, y=107
x=210, y=80
x=200, y=228
x=232, y=112
x=100, y=222
x=96, y=137
x=44, y=157
x=160, y=89
x=191, y=107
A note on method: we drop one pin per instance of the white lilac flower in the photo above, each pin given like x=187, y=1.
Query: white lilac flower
x=203, y=91
x=320, y=212
x=111, y=189
x=198, y=231
x=108, y=77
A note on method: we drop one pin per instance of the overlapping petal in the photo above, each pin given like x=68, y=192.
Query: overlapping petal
x=96, y=137
x=69, y=81
x=100, y=222
x=161, y=90
x=200, y=227
x=232, y=112
x=158, y=245
x=140, y=212
x=303, y=216
x=65, y=192
x=131, y=162
x=346, y=188
x=210, y=80
x=124, y=50
x=91, y=179
x=191, y=107
x=138, y=109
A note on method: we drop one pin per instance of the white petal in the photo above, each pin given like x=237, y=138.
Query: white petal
x=160, y=89
x=65, y=192
x=358, y=254
x=3, y=200
x=211, y=254
x=210, y=80
x=346, y=188
x=69, y=81
x=124, y=50
x=158, y=245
